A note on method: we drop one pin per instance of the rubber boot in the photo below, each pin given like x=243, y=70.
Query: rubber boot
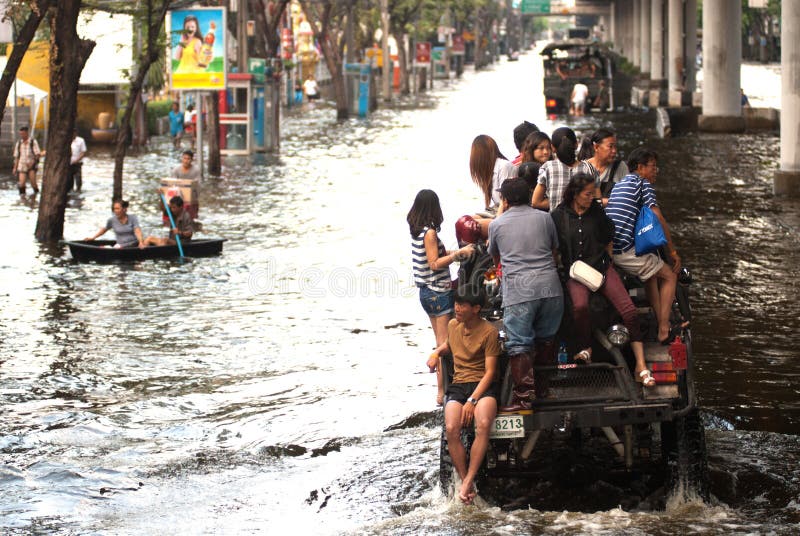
x=522, y=375
x=545, y=352
x=545, y=355
x=21, y=190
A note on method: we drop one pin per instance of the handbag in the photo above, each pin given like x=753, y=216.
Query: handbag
x=586, y=275
x=648, y=235
x=580, y=271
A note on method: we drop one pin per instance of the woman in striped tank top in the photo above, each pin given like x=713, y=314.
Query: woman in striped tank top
x=430, y=261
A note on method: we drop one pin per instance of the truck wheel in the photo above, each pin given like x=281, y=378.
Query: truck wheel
x=684, y=449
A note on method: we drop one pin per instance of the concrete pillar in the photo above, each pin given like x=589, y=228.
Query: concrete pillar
x=612, y=24
x=636, y=45
x=690, y=44
x=602, y=25
x=644, y=31
x=657, y=40
x=722, y=63
x=627, y=37
x=622, y=28
x=787, y=178
x=675, y=45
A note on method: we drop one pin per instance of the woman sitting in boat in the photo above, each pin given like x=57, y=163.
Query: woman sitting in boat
x=585, y=234
x=126, y=227
x=184, y=227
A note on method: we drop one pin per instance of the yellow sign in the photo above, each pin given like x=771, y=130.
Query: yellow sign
x=197, y=48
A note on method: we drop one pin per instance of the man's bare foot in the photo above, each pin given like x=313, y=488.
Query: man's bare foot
x=468, y=492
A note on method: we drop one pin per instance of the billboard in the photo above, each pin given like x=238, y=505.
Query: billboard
x=197, y=48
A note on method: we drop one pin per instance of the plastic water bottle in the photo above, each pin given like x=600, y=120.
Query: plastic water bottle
x=562, y=359
x=562, y=354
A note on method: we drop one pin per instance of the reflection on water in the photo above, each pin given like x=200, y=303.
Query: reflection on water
x=265, y=387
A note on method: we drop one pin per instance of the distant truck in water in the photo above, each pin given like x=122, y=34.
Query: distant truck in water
x=574, y=61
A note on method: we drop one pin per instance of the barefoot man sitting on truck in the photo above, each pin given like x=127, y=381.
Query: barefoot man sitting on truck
x=473, y=393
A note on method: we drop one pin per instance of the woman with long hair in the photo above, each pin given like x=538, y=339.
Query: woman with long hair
x=188, y=49
x=489, y=168
x=554, y=175
x=430, y=261
x=537, y=148
x=585, y=233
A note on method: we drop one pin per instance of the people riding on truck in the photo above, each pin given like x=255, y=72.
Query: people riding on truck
x=472, y=395
x=525, y=240
x=624, y=205
x=585, y=234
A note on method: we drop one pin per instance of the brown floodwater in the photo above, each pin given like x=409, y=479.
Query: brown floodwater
x=281, y=386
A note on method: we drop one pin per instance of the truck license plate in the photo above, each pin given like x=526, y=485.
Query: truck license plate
x=506, y=426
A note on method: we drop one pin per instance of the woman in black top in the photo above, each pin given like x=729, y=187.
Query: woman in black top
x=585, y=234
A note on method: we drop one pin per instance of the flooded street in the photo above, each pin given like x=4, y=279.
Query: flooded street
x=281, y=386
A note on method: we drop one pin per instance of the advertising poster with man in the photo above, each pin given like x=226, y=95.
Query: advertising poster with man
x=197, y=48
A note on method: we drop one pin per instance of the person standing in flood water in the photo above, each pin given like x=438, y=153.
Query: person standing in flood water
x=474, y=343
x=431, y=263
x=26, y=160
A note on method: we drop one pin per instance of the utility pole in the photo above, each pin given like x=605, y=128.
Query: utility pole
x=387, y=61
x=241, y=36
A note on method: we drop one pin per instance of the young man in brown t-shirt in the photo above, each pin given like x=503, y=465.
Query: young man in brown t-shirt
x=472, y=395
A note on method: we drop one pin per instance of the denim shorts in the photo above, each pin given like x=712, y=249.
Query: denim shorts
x=436, y=303
x=528, y=321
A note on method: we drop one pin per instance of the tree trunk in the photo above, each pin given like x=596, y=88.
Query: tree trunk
x=402, y=59
x=24, y=38
x=139, y=123
x=320, y=23
x=149, y=56
x=258, y=12
x=480, y=54
x=214, y=158
x=68, y=55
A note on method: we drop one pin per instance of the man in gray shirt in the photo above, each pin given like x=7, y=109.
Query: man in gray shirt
x=187, y=169
x=524, y=239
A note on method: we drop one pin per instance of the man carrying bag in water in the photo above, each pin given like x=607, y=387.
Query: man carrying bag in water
x=26, y=160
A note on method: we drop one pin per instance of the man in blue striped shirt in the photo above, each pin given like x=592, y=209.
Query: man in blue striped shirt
x=624, y=204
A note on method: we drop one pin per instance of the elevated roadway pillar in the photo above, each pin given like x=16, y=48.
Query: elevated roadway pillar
x=675, y=45
x=636, y=48
x=690, y=45
x=722, y=60
x=644, y=31
x=787, y=178
x=612, y=24
x=657, y=40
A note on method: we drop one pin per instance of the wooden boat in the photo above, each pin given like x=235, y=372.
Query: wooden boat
x=104, y=250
